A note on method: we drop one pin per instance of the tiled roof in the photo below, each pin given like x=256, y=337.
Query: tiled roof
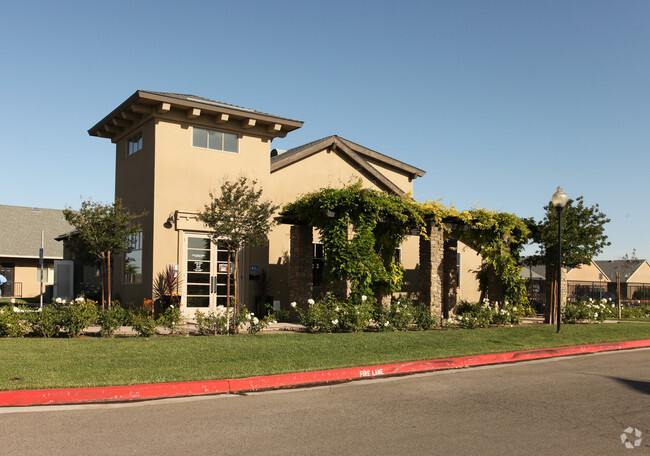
x=625, y=267
x=20, y=231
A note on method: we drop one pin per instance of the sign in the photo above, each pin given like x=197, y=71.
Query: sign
x=253, y=268
x=40, y=256
x=223, y=267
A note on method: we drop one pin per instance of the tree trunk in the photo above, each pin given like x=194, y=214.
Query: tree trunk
x=236, y=272
x=228, y=296
x=108, y=261
x=102, y=268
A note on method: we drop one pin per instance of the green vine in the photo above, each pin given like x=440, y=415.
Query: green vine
x=380, y=222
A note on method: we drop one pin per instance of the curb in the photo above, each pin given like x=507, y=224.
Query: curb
x=241, y=385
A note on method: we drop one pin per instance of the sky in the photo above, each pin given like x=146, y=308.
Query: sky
x=499, y=101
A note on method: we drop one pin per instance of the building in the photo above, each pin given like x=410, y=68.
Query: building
x=172, y=151
x=22, y=232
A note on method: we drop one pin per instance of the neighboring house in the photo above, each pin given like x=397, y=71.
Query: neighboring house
x=21, y=232
x=634, y=276
x=173, y=150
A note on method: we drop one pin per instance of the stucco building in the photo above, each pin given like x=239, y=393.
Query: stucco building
x=172, y=150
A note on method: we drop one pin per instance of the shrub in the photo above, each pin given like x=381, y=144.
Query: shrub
x=214, y=322
x=171, y=318
x=13, y=322
x=400, y=315
x=638, y=310
x=111, y=319
x=254, y=324
x=589, y=310
x=143, y=324
x=77, y=315
x=282, y=315
x=47, y=322
x=332, y=313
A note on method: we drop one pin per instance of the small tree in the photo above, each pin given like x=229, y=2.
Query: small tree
x=583, y=237
x=102, y=230
x=238, y=219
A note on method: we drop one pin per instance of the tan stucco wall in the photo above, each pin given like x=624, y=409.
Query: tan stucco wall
x=641, y=275
x=470, y=261
x=27, y=273
x=586, y=273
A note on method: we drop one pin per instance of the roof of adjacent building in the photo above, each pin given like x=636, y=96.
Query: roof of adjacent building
x=358, y=154
x=624, y=267
x=20, y=231
x=144, y=104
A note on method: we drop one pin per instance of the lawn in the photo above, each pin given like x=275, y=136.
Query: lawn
x=53, y=363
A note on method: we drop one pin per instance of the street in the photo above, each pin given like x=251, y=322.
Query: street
x=578, y=405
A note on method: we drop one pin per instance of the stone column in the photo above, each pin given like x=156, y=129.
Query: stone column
x=300, y=264
x=450, y=276
x=431, y=269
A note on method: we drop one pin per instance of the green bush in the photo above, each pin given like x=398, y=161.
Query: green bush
x=13, y=322
x=213, y=322
x=46, y=323
x=400, y=315
x=77, y=315
x=589, y=310
x=282, y=315
x=335, y=314
x=171, y=318
x=143, y=323
x=111, y=319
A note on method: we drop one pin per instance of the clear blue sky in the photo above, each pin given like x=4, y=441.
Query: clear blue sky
x=499, y=101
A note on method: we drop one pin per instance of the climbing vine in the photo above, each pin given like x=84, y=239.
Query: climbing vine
x=380, y=222
x=366, y=255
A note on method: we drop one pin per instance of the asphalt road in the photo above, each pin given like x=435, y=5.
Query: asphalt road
x=563, y=406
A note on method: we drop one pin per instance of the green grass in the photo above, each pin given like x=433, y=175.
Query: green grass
x=55, y=363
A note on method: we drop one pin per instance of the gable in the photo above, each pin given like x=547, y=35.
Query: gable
x=386, y=173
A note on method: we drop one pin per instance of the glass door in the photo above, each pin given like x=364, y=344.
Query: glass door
x=206, y=273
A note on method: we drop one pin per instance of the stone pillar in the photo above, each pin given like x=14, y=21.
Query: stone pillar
x=431, y=269
x=300, y=264
x=450, y=276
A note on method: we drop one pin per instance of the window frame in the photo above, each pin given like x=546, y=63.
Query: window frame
x=134, y=244
x=136, y=141
x=222, y=134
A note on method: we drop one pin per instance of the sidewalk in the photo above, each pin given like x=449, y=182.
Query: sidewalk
x=300, y=379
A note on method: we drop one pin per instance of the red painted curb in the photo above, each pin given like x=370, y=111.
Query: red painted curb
x=238, y=385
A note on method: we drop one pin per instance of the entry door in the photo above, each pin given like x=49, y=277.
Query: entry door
x=206, y=274
x=7, y=270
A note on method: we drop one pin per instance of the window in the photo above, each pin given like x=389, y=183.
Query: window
x=134, y=144
x=133, y=259
x=48, y=274
x=210, y=139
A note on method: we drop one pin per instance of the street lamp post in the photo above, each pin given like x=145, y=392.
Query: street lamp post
x=559, y=200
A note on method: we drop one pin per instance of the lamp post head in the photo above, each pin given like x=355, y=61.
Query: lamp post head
x=559, y=198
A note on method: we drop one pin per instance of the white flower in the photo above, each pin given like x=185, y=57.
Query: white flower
x=255, y=321
x=16, y=309
x=460, y=317
x=13, y=300
x=364, y=297
x=397, y=310
x=336, y=309
x=171, y=306
x=59, y=300
x=310, y=302
x=294, y=304
x=595, y=314
x=514, y=309
x=335, y=321
x=79, y=299
x=248, y=316
x=387, y=323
